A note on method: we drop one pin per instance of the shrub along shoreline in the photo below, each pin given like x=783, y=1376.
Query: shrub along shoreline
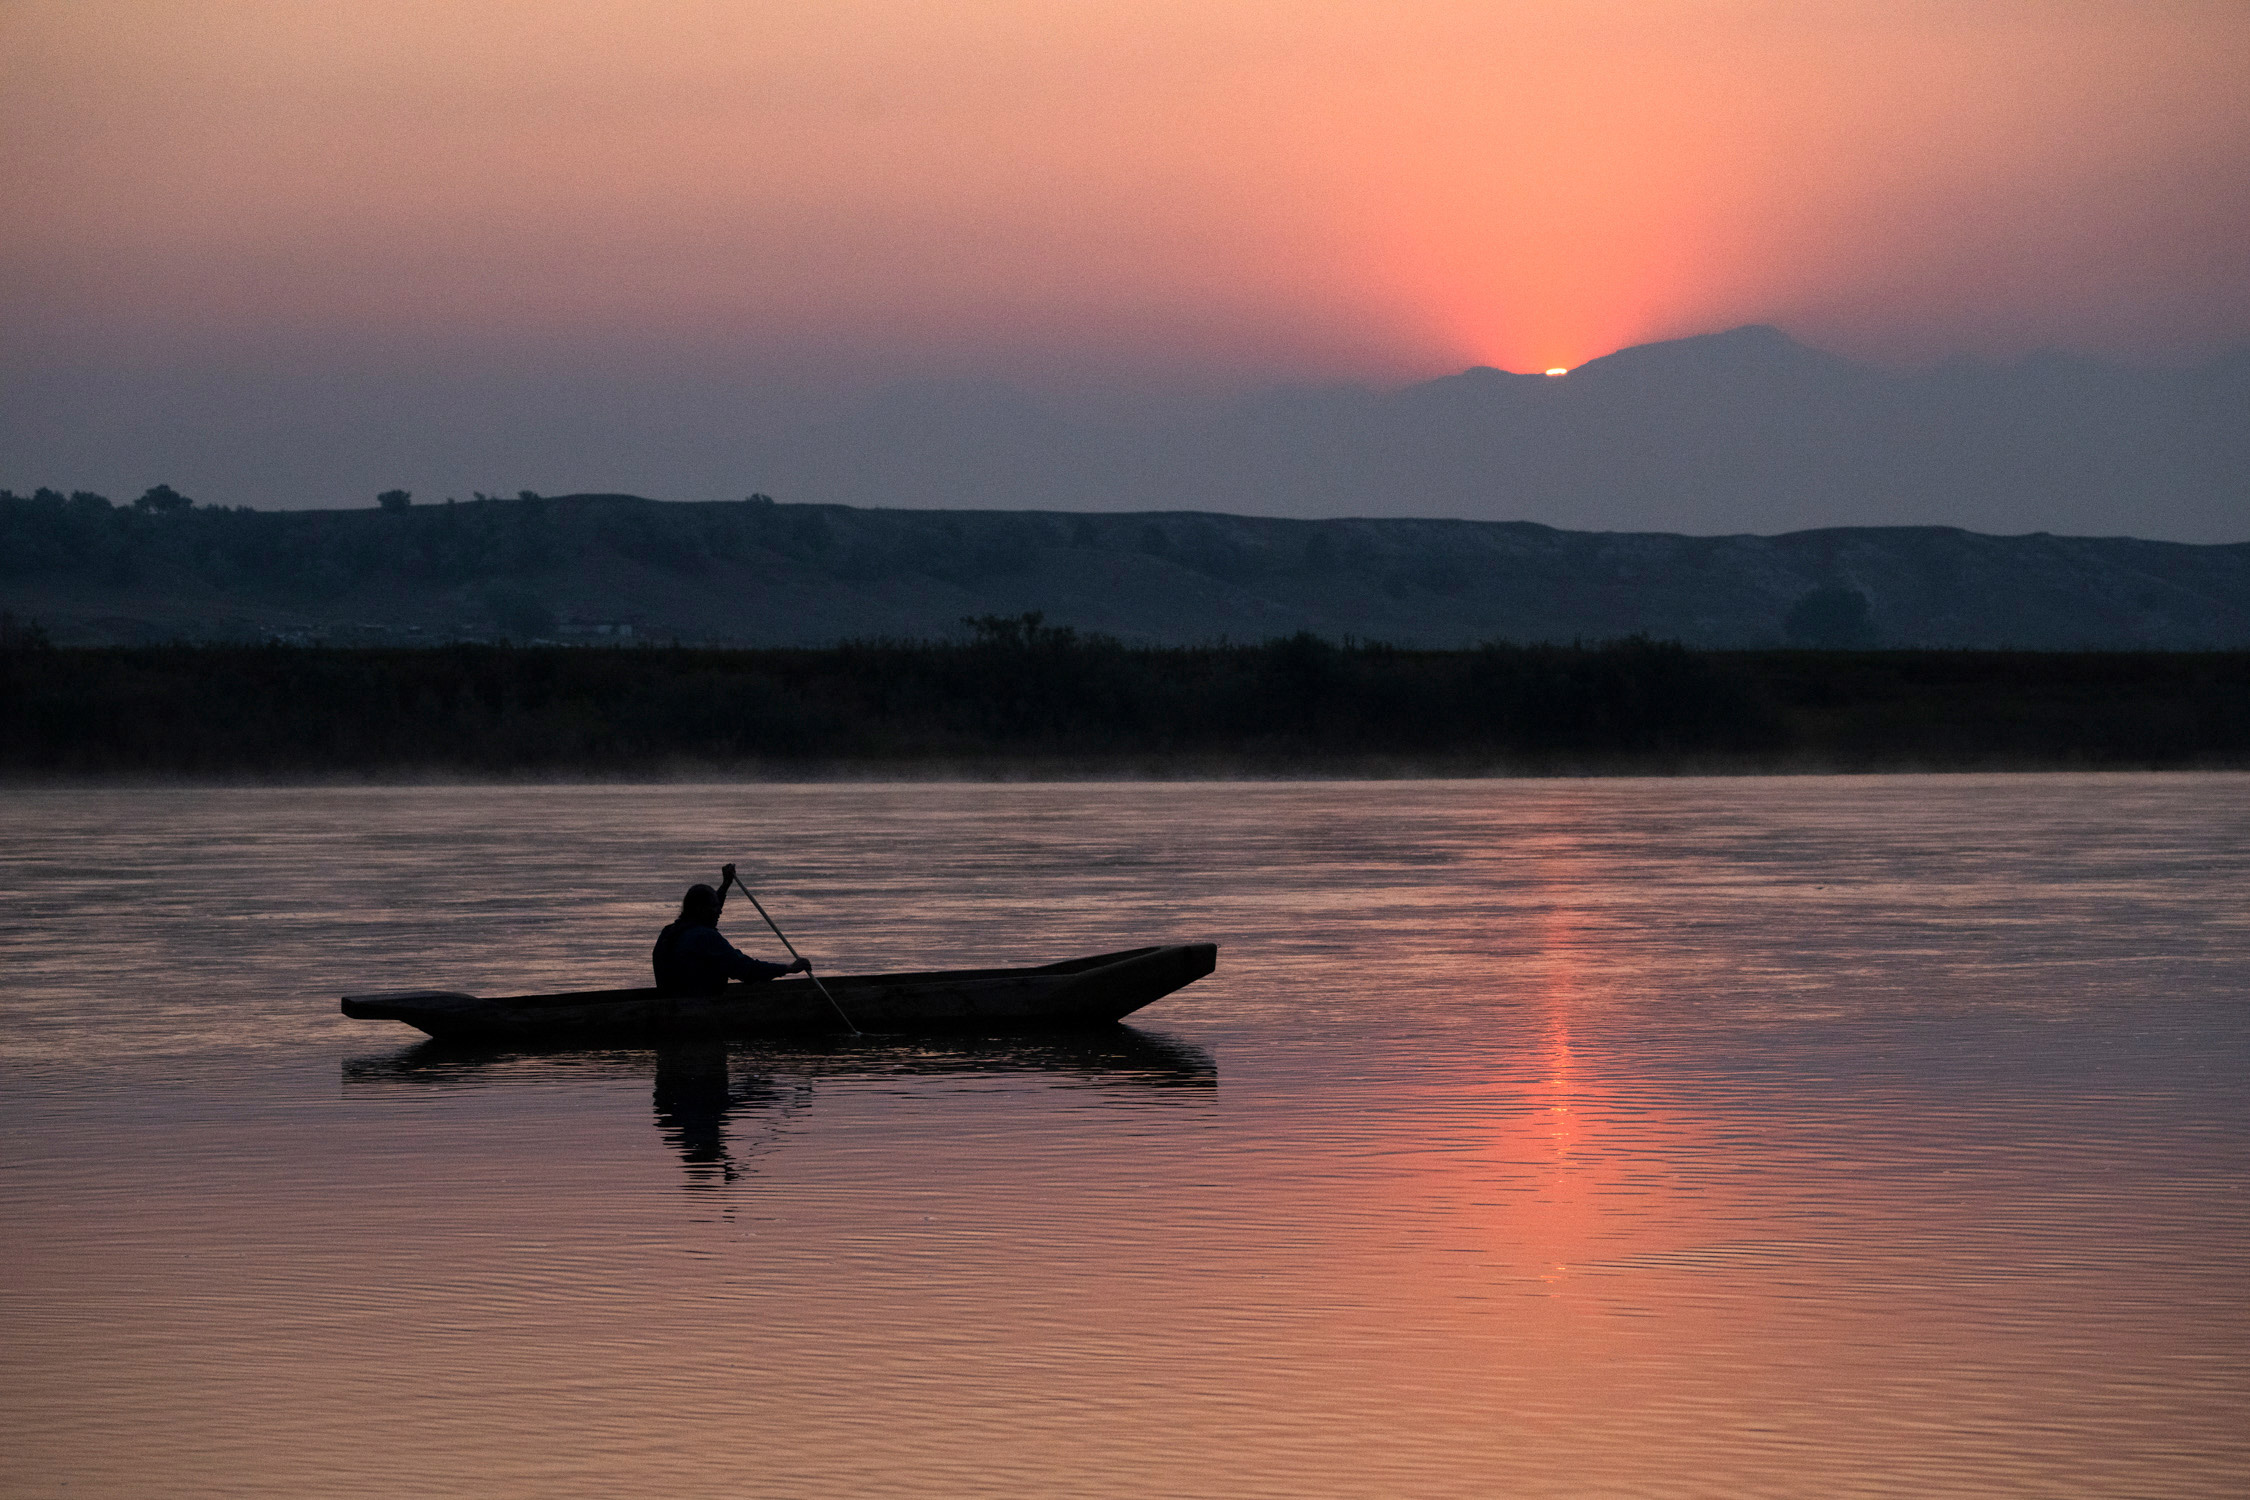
x=1023, y=700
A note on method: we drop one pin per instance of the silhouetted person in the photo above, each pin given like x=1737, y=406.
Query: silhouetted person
x=692, y=959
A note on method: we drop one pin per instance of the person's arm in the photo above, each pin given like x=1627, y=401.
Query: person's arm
x=726, y=879
x=737, y=964
x=741, y=965
x=794, y=966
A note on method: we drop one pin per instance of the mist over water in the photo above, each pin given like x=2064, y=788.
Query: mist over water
x=1764, y=1137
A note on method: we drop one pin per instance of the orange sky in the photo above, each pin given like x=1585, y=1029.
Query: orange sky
x=1230, y=188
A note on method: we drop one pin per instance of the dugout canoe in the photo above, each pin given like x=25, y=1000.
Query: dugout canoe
x=1092, y=991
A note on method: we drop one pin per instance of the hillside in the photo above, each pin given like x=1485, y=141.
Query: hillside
x=601, y=567
x=1733, y=432
x=1746, y=430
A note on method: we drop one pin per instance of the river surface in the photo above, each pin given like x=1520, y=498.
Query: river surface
x=1815, y=1136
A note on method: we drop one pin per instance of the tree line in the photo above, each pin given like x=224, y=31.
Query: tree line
x=1021, y=693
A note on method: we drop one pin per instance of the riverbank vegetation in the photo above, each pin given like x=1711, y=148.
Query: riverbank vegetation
x=1023, y=698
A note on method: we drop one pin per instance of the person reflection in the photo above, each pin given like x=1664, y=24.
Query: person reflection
x=694, y=1096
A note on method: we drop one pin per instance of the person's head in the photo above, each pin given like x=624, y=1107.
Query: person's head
x=700, y=906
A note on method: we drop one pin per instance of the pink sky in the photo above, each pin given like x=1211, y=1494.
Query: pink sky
x=1220, y=190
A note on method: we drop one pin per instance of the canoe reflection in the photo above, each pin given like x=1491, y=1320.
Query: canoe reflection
x=708, y=1091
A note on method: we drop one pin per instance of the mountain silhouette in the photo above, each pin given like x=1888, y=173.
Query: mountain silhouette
x=1745, y=431
x=1742, y=431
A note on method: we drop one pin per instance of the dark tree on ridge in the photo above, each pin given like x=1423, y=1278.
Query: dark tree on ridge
x=162, y=499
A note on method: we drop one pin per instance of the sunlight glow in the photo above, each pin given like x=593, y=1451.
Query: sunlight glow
x=1245, y=185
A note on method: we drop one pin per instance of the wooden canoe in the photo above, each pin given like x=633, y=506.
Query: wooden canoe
x=1089, y=991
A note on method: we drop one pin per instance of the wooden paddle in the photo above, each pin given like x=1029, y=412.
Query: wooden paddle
x=792, y=947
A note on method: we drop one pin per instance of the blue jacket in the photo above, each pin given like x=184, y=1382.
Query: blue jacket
x=697, y=961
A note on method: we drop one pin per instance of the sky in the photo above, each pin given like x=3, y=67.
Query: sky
x=319, y=230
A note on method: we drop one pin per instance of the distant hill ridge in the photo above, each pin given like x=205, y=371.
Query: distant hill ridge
x=608, y=567
x=1742, y=431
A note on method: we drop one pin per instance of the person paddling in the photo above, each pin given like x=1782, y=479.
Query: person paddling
x=692, y=959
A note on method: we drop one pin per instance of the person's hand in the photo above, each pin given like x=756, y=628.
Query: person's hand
x=801, y=966
x=726, y=877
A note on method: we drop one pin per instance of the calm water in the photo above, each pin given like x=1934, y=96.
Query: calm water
x=1789, y=1137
